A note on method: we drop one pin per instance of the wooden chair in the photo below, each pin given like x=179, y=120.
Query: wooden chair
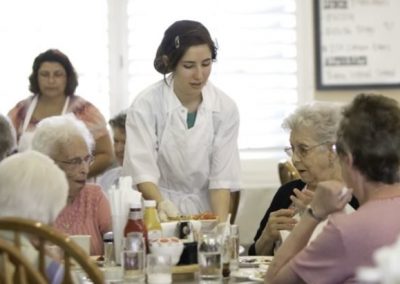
x=287, y=172
x=47, y=235
x=24, y=272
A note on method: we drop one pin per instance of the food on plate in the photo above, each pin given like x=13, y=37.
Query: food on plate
x=201, y=216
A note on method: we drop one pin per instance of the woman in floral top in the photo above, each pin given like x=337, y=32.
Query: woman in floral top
x=53, y=82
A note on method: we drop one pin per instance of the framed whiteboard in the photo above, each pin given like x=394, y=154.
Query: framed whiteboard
x=357, y=44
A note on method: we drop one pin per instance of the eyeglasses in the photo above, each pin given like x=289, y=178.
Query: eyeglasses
x=87, y=160
x=302, y=150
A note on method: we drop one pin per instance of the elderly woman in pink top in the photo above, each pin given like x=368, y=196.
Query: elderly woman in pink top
x=69, y=143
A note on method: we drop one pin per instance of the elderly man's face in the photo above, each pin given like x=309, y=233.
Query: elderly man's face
x=74, y=159
x=311, y=157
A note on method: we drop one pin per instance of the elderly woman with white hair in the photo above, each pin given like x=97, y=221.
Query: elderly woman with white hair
x=312, y=133
x=69, y=143
x=368, y=147
x=8, y=142
x=39, y=192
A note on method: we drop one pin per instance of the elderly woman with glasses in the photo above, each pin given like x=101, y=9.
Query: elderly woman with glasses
x=69, y=143
x=312, y=134
x=368, y=147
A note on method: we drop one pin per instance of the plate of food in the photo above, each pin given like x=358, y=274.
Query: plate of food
x=254, y=261
x=254, y=274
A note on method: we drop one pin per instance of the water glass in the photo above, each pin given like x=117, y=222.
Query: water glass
x=133, y=258
x=209, y=253
x=159, y=269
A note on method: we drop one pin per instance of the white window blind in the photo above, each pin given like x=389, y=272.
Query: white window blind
x=28, y=28
x=256, y=62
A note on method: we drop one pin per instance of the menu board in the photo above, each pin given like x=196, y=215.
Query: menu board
x=357, y=43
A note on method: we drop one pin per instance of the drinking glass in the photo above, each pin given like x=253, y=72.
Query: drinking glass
x=133, y=258
x=159, y=269
x=209, y=253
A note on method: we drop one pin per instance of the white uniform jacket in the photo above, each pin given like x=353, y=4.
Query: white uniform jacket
x=184, y=163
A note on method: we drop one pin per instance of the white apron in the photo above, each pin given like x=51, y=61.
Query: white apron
x=26, y=136
x=182, y=152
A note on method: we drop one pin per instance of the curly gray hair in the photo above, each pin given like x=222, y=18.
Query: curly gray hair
x=54, y=133
x=7, y=137
x=322, y=118
x=38, y=191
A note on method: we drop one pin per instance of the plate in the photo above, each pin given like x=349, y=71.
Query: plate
x=243, y=273
x=256, y=278
x=254, y=261
x=253, y=274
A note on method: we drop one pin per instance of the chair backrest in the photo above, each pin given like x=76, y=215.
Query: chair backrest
x=47, y=235
x=287, y=172
x=22, y=271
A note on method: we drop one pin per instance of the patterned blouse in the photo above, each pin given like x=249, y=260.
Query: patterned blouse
x=82, y=109
x=88, y=214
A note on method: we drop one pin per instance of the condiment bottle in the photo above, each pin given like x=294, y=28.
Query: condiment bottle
x=151, y=220
x=135, y=222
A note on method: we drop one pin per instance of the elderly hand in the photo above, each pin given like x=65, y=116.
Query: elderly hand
x=301, y=199
x=281, y=219
x=329, y=197
x=167, y=209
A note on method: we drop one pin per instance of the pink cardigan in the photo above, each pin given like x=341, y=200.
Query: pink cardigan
x=88, y=214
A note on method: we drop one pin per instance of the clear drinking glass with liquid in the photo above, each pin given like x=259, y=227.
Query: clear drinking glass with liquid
x=209, y=253
x=133, y=258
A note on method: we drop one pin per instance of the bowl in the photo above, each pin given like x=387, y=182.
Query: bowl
x=171, y=246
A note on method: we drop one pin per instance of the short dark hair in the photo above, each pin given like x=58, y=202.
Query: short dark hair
x=53, y=55
x=370, y=131
x=178, y=38
x=118, y=121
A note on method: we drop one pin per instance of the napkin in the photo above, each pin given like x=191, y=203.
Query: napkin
x=120, y=199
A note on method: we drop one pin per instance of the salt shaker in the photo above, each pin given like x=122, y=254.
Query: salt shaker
x=109, y=255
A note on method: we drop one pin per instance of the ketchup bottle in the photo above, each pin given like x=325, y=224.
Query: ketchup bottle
x=135, y=222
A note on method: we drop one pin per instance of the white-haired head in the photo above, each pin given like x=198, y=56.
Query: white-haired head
x=32, y=186
x=54, y=133
x=7, y=137
x=321, y=117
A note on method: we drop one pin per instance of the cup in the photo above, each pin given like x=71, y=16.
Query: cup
x=159, y=269
x=83, y=241
x=209, y=253
x=133, y=258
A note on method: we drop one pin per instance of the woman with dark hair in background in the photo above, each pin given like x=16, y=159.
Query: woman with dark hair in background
x=53, y=82
x=182, y=131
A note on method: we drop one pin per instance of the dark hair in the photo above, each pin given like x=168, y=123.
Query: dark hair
x=178, y=38
x=370, y=131
x=53, y=55
x=118, y=121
